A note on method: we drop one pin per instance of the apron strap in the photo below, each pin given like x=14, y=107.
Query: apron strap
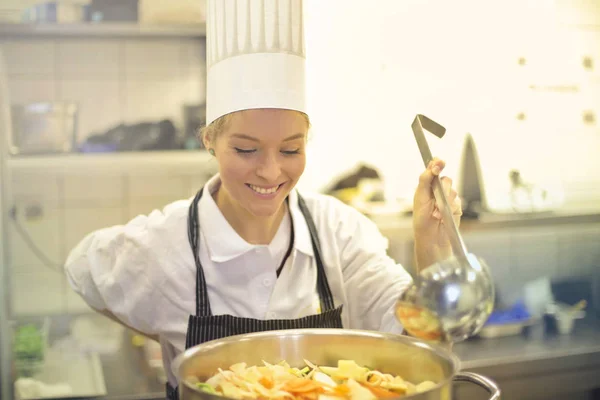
x=202, y=302
x=325, y=296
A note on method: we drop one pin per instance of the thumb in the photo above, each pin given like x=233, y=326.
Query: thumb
x=424, y=192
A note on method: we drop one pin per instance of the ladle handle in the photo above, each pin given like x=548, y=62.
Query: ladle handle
x=422, y=122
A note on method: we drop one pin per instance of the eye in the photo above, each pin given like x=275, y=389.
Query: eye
x=244, y=151
x=290, y=152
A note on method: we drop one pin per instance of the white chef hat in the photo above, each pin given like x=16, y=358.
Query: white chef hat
x=255, y=56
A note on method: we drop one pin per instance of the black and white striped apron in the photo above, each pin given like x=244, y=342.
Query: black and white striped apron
x=204, y=326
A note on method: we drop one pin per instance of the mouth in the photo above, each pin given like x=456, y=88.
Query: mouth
x=265, y=191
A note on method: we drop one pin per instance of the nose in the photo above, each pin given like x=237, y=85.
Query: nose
x=269, y=168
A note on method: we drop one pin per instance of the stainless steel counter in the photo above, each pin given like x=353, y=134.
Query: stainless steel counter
x=525, y=366
x=535, y=364
x=127, y=376
x=529, y=363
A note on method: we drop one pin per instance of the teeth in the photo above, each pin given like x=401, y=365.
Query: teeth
x=264, y=191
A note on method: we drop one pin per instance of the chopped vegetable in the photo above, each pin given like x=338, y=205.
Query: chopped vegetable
x=347, y=381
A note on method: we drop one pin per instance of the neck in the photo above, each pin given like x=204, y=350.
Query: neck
x=253, y=229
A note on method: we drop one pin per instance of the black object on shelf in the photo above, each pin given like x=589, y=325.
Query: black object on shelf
x=470, y=185
x=145, y=136
x=113, y=10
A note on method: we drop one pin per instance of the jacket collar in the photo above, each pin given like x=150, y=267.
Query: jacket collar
x=225, y=244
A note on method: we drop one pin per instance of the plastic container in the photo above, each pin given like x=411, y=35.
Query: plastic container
x=565, y=317
x=29, y=345
x=507, y=322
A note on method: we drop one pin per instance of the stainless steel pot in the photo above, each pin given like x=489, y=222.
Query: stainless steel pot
x=413, y=359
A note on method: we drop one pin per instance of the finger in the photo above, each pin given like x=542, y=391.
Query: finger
x=447, y=185
x=447, y=188
x=434, y=168
x=457, y=206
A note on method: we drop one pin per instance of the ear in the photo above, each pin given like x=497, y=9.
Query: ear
x=205, y=139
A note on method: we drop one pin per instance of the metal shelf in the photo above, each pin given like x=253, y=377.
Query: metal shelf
x=107, y=29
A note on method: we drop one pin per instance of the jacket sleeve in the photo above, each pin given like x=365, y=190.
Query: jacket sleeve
x=119, y=268
x=373, y=281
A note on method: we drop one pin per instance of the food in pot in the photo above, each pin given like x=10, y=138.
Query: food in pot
x=347, y=381
x=419, y=322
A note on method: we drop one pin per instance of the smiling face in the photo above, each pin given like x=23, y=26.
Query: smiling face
x=261, y=157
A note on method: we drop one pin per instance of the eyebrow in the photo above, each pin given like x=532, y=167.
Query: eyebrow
x=248, y=137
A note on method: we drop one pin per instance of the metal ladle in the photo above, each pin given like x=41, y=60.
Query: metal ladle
x=450, y=300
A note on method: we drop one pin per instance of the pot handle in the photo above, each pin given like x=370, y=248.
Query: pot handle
x=481, y=381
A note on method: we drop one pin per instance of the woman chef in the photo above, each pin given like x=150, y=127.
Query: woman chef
x=250, y=253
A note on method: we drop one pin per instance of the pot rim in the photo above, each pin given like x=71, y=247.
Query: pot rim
x=210, y=345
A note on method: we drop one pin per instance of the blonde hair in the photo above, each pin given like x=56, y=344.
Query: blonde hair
x=215, y=128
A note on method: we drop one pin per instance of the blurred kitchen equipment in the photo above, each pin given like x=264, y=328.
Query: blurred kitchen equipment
x=67, y=373
x=43, y=128
x=470, y=185
x=538, y=295
x=574, y=289
x=143, y=136
x=411, y=358
x=61, y=11
x=114, y=10
x=452, y=299
x=507, y=322
x=565, y=315
x=30, y=345
x=194, y=118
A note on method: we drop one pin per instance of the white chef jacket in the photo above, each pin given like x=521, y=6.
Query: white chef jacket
x=144, y=272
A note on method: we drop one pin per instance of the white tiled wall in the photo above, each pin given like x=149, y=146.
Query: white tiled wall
x=112, y=80
x=372, y=69
x=75, y=203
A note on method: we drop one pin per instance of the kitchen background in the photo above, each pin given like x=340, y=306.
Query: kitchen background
x=521, y=78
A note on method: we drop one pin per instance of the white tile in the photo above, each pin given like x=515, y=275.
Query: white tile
x=75, y=303
x=40, y=185
x=534, y=253
x=81, y=221
x=494, y=248
x=197, y=181
x=146, y=206
x=39, y=293
x=579, y=252
x=99, y=104
x=89, y=59
x=153, y=100
x=30, y=57
x=24, y=90
x=152, y=186
x=196, y=84
x=34, y=235
x=93, y=190
x=152, y=59
x=193, y=52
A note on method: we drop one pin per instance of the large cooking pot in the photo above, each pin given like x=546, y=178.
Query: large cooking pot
x=413, y=359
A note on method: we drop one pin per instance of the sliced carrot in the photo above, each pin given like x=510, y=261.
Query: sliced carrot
x=342, y=389
x=309, y=396
x=302, y=385
x=266, y=382
x=379, y=391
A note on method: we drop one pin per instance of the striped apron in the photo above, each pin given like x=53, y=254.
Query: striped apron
x=204, y=327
